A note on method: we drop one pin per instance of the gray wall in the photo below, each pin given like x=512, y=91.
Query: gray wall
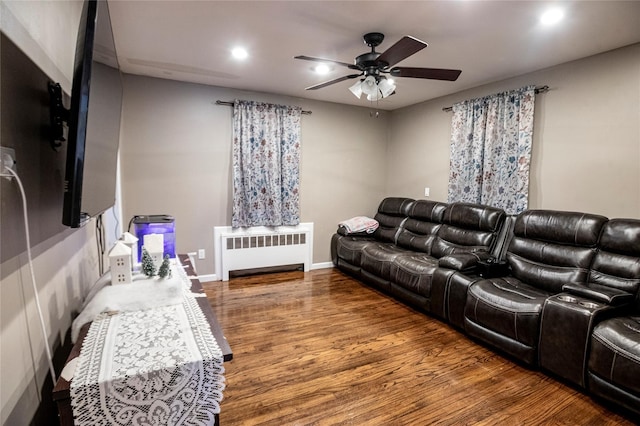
x=586, y=148
x=176, y=159
x=65, y=262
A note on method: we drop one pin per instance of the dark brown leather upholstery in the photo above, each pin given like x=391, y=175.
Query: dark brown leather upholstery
x=614, y=359
x=420, y=229
x=464, y=236
x=467, y=228
x=346, y=250
x=349, y=248
x=617, y=263
x=376, y=258
x=614, y=362
x=411, y=272
x=415, y=239
x=392, y=212
x=548, y=249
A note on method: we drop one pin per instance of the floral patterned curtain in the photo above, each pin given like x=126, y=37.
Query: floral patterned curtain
x=266, y=164
x=491, y=150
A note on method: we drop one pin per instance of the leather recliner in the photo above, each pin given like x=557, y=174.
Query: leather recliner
x=548, y=250
x=346, y=250
x=457, y=283
x=410, y=272
x=415, y=234
x=568, y=319
x=466, y=235
x=614, y=359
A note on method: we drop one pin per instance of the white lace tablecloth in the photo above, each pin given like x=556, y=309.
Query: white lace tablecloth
x=159, y=366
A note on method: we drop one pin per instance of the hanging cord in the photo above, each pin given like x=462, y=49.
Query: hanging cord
x=115, y=229
x=131, y=221
x=33, y=279
x=100, y=243
x=377, y=113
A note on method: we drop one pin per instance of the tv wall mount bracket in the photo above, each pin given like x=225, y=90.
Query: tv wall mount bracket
x=58, y=115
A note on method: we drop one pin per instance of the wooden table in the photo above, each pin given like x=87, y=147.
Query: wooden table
x=61, y=392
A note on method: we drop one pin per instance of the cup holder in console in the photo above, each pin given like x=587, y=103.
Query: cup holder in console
x=589, y=305
x=584, y=304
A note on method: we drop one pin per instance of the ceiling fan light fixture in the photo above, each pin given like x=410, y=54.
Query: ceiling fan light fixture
x=375, y=97
x=369, y=86
x=356, y=89
x=386, y=87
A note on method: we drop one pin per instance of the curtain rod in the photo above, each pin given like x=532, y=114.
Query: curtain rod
x=538, y=90
x=227, y=103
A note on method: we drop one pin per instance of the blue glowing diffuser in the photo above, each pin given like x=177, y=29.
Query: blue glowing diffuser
x=156, y=224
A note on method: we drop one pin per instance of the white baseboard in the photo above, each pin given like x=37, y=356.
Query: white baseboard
x=208, y=277
x=321, y=265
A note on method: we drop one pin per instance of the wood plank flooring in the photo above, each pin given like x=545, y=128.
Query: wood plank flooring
x=321, y=348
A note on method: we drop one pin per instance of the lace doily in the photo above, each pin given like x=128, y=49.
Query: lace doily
x=158, y=366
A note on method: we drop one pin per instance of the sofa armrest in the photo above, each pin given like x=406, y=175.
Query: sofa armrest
x=462, y=262
x=599, y=293
x=493, y=268
x=343, y=231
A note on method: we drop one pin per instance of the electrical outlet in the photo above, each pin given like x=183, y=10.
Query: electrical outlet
x=7, y=160
x=201, y=254
x=426, y=191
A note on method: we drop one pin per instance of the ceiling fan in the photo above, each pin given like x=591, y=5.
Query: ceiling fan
x=374, y=65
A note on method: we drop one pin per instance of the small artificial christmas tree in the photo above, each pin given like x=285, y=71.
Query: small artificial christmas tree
x=165, y=270
x=148, y=267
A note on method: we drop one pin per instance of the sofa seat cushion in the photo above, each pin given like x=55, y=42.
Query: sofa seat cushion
x=615, y=352
x=508, y=307
x=377, y=258
x=350, y=248
x=414, y=272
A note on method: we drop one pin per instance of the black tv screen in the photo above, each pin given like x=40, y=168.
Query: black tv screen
x=94, y=119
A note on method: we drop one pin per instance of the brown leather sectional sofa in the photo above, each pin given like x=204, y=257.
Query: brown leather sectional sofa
x=555, y=290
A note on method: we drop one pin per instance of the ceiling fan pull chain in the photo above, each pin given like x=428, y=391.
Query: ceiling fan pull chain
x=377, y=109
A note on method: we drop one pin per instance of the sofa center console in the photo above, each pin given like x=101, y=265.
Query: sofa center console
x=567, y=322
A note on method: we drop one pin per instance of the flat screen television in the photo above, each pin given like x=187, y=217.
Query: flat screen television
x=93, y=119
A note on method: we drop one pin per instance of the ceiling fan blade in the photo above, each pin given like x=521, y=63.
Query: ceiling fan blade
x=404, y=48
x=327, y=61
x=430, y=73
x=330, y=82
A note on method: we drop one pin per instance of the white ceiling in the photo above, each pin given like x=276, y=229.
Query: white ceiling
x=488, y=40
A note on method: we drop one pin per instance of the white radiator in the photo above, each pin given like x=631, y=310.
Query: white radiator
x=261, y=247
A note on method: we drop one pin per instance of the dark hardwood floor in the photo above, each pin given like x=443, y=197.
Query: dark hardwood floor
x=321, y=348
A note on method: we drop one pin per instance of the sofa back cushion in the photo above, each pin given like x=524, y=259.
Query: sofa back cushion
x=392, y=212
x=617, y=261
x=467, y=228
x=419, y=230
x=552, y=248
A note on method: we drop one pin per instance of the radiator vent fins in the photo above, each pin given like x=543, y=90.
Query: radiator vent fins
x=258, y=241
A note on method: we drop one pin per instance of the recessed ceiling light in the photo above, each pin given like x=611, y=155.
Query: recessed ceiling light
x=239, y=53
x=552, y=16
x=322, y=69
